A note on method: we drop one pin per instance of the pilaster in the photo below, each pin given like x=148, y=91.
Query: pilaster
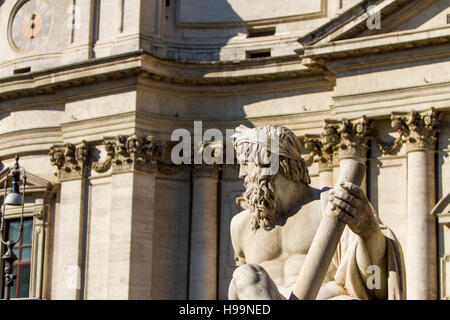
x=203, y=253
x=71, y=162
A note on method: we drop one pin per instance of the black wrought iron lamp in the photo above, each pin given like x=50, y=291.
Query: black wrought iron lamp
x=13, y=198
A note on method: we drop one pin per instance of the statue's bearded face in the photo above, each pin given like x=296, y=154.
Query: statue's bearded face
x=260, y=196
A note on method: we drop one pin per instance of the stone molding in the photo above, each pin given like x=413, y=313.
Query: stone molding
x=320, y=56
x=350, y=23
x=417, y=131
x=71, y=160
x=140, y=65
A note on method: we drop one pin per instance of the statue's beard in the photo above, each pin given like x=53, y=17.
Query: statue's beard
x=260, y=196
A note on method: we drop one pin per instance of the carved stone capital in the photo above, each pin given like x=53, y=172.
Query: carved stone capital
x=354, y=138
x=39, y=211
x=312, y=144
x=70, y=160
x=323, y=146
x=338, y=139
x=422, y=129
x=129, y=153
x=417, y=131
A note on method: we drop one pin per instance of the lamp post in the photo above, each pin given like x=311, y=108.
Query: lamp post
x=14, y=198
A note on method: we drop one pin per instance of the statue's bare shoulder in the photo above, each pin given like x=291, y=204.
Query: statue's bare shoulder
x=238, y=223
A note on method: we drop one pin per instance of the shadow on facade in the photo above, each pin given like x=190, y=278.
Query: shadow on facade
x=211, y=33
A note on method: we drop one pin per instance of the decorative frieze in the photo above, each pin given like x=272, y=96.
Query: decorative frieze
x=417, y=131
x=128, y=153
x=70, y=160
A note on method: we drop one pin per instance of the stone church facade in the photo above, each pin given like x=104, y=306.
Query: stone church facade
x=92, y=90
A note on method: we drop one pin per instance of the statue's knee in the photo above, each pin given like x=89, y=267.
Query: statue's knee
x=251, y=281
x=248, y=275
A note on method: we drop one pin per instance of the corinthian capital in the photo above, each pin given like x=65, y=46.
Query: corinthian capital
x=339, y=139
x=422, y=129
x=70, y=160
x=354, y=138
x=128, y=153
x=322, y=147
x=418, y=131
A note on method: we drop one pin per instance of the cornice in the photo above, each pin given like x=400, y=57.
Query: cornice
x=374, y=44
x=350, y=22
x=139, y=63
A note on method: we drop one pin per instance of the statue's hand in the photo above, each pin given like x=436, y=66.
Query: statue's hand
x=350, y=204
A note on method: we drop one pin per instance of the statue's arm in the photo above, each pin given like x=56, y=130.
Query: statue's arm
x=236, y=228
x=353, y=208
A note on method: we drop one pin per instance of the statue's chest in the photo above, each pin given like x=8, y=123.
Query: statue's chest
x=262, y=245
x=282, y=242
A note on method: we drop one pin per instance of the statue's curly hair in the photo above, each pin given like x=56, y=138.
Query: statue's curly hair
x=249, y=149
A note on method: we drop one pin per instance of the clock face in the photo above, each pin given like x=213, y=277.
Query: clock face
x=30, y=25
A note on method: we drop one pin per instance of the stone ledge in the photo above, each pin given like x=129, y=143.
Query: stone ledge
x=376, y=44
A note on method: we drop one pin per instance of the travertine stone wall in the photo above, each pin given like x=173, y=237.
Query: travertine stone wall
x=66, y=279
x=98, y=233
x=126, y=229
x=171, y=237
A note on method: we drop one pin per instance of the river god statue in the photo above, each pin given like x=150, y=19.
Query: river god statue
x=272, y=238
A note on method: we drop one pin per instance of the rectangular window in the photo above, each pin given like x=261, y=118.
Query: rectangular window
x=258, y=54
x=260, y=32
x=22, y=70
x=22, y=249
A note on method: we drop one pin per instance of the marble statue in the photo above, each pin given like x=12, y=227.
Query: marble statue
x=271, y=239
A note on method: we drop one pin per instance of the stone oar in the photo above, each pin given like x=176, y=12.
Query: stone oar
x=326, y=239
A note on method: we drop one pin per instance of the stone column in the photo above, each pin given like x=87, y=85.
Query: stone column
x=203, y=253
x=70, y=161
x=131, y=235
x=133, y=162
x=353, y=143
x=326, y=175
x=419, y=133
